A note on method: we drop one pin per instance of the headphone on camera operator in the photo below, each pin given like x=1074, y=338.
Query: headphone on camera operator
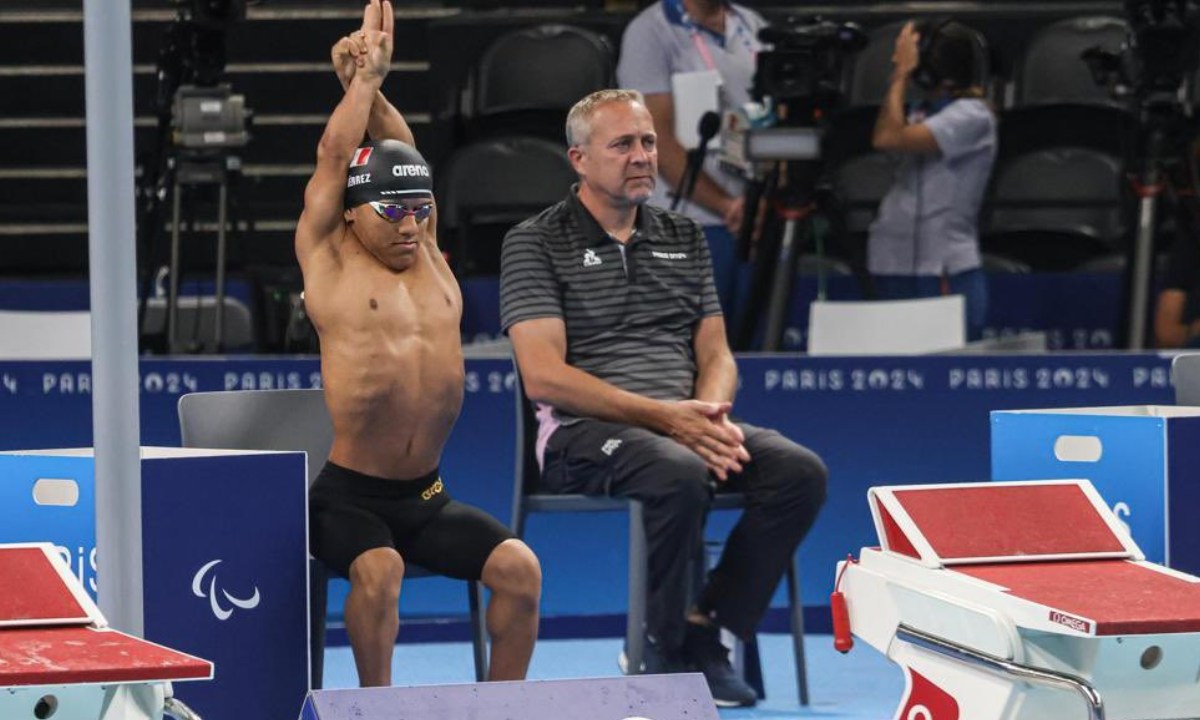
x=951, y=57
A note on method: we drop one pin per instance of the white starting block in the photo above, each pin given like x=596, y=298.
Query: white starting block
x=1006, y=601
x=60, y=661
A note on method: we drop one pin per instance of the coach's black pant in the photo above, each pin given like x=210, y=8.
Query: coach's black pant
x=784, y=485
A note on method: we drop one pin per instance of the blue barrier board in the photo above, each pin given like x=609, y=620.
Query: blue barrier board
x=224, y=562
x=1140, y=458
x=883, y=420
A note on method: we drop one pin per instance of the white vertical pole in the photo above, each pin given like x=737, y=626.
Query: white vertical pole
x=107, y=31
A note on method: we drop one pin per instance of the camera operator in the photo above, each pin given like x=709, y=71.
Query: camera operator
x=925, y=239
x=673, y=37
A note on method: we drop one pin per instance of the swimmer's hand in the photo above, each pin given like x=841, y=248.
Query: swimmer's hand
x=369, y=48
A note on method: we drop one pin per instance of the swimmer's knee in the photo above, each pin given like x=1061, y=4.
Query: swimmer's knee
x=512, y=568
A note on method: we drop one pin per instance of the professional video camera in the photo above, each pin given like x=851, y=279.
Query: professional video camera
x=797, y=87
x=205, y=113
x=803, y=70
x=1165, y=35
x=1161, y=52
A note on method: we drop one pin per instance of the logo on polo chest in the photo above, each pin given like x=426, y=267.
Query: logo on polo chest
x=590, y=258
x=668, y=255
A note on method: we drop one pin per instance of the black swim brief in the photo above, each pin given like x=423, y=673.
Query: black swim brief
x=351, y=513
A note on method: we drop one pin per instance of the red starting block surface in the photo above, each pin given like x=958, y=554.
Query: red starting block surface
x=73, y=655
x=998, y=522
x=1122, y=597
x=51, y=633
x=992, y=521
x=35, y=592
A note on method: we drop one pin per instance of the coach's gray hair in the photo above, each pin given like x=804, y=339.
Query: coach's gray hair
x=579, y=120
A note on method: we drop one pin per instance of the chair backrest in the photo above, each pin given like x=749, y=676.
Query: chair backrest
x=547, y=67
x=1052, y=70
x=1185, y=373
x=503, y=177
x=492, y=185
x=1069, y=176
x=259, y=420
x=1064, y=191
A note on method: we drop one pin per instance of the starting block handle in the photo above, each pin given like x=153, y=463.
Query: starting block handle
x=965, y=655
x=178, y=709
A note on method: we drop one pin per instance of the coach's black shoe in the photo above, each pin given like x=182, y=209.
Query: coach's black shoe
x=703, y=651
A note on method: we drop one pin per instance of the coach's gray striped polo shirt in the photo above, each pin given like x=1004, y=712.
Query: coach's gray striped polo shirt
x=630, y=310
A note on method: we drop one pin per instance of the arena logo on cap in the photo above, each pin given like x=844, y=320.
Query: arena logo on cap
x=410, y=171
x=361, y=157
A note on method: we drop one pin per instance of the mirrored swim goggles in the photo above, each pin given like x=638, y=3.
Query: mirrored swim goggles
x=394, y=212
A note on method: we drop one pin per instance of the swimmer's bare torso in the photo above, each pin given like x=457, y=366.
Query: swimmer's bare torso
x=391, y=354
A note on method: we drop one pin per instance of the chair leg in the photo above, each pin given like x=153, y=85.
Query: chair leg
x=479, y=640
x=751, y=666
x=796, y=606
x=318, y=580
x=635, y=627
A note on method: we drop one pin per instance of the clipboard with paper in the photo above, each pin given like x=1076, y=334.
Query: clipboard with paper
x=693, y=95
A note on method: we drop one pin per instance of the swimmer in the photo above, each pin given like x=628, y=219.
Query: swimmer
x=386, y=308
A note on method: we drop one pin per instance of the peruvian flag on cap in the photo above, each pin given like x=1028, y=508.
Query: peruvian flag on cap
x=361, y=156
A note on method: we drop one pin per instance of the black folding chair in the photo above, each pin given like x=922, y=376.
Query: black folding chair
x=1056, y=208
x=528, y=79
x=491, y=185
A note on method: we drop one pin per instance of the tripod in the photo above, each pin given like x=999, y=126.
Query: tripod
x=193, y=171
x=1161, y=124
x=774, y=280
x=805, y=197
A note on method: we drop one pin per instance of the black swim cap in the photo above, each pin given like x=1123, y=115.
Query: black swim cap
x=387, y=170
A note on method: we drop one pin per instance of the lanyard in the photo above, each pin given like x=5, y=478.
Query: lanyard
x=702, y=48
x=741, y=31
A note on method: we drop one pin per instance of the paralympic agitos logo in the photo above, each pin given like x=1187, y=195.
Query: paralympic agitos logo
x=219, y=599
